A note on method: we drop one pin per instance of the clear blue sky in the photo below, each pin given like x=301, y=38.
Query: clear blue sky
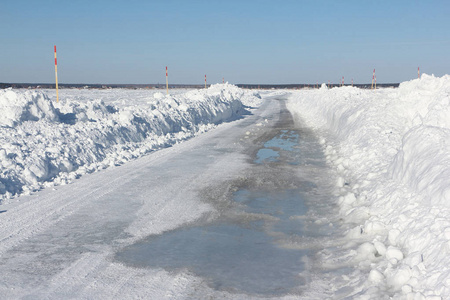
x=243, y=41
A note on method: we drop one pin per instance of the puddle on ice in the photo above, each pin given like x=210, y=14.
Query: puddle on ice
x=286, y=141
x=283, y=205
x=238, y=253
x=266, y=155
x=234, y=255
x=228, y=256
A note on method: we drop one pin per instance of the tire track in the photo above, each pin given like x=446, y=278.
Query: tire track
x=34, y=216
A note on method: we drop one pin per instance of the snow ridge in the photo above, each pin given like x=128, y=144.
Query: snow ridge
x=43, y=143
x=390, y=149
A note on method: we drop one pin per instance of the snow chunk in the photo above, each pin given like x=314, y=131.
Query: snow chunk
x=26, y=106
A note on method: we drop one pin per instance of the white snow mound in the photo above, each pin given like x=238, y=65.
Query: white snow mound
x=391, y=148
x=26, y=106
x=44, y=143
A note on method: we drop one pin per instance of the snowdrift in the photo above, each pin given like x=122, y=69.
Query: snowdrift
x=43, y=143
x=391, y=151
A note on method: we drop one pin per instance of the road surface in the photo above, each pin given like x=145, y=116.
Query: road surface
x=260, y=178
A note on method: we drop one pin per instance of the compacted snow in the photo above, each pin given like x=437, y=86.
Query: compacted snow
x=389, y=149
x=391, y=152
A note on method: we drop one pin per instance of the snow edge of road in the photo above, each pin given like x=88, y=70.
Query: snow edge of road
x=45, y=144
x=390, y=151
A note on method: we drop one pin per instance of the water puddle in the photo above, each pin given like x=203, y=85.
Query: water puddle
x=285, y=207
x=286, y=141
x=243, y=251
x=229, y=257
x=266, y=155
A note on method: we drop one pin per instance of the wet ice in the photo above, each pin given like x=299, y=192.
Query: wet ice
x=237, y=252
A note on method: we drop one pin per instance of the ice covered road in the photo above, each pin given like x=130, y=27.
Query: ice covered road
x=237, y=212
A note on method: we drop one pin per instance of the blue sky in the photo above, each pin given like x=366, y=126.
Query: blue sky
x=241, y=41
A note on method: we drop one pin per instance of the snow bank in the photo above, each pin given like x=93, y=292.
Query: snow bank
x=391, y=151
x=43, y=143
x=17, y=108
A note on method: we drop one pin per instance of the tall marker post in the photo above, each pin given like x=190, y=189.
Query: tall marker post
x=373, y=78
x=205, y=81
x=418, y=72
x=56, y=76
x=167, y=82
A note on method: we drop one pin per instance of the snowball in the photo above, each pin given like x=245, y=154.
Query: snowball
x=381, y=248
x=393, y=252
x=393, y=235
x=366, y=251
x=375, y=276
x=399, y=277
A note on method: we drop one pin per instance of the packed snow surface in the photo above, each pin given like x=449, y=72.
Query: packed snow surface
x=391, y=152
x=44, y=143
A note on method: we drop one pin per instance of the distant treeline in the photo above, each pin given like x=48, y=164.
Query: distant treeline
x=163, y=86
x=310, y=86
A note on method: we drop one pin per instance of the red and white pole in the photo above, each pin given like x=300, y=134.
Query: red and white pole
x=167, y=81
x=342, y=80
x=418, y=72
x=56, y=76
x=205, y=81
x=373, y=78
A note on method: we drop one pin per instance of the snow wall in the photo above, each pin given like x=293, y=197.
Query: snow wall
x=43, y=143
x=391, y=151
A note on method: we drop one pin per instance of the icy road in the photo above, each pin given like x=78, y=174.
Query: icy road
x=237, y=212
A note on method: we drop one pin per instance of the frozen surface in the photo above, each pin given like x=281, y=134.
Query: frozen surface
x=259, y=245
x=228, y=257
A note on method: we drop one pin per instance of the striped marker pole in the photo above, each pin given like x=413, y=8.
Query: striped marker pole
x=373, y=78
x=56, y=76
x=418, y=72
x=342, y=80
x=167, y=81
x=205, y=81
